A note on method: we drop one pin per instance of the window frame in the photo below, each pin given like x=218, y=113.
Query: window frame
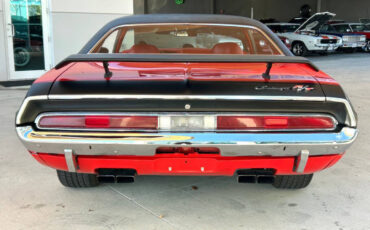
x=124, y=28
x=336, y=26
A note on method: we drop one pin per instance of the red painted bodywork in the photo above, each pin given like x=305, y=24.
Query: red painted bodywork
x=280, y=72
x=53, y=74
x=190, y=164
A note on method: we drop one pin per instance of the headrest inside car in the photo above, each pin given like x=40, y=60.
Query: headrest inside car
x=142, y=48
x=227, y=48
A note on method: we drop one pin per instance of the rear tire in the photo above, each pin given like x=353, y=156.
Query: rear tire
x=77, y=180
x=367, y=47
x=292, y=181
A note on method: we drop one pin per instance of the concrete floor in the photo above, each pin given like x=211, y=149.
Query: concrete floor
x=32, y=198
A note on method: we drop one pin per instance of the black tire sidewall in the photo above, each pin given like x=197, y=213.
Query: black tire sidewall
x=304, y=49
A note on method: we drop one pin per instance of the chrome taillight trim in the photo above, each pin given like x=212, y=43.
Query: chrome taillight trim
x=215, y=115
x=351, y=114
x=25, y=104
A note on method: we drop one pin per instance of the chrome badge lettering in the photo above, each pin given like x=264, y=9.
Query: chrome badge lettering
x=296, y=88
x=302, y=88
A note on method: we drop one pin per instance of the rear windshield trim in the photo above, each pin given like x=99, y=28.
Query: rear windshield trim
x=102, y=39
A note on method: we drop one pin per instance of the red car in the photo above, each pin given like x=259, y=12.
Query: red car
x=176, y=95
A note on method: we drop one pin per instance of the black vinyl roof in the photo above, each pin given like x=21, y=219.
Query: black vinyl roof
x=182, y=18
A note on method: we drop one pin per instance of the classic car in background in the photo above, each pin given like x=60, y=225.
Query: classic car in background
x=304, y=38
x=355, y=28
x=286, y=41
x=335, y=21
x=350, y=41
x=366, y=22
x=279, y=27
x=124, y=107
x=282, y=27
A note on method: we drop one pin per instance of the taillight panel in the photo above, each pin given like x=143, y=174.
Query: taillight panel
x=99, y=122
x=275, y=123
x=187, y=122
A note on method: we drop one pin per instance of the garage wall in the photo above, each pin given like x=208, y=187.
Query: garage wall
x=238, y=7
x=347, y=10
x=3, y=58
x=169, y=6
x=280, y=10
x=75, y=22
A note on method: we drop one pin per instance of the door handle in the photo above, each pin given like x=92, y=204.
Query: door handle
x=12, y=29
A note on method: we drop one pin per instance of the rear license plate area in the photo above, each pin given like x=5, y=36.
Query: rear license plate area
x=187, y=122
x=186, y=160
x=185, y=165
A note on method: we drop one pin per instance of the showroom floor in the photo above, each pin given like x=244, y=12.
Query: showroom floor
x=32, y=198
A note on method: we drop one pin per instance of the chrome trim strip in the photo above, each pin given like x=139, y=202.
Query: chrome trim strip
x=351, y=113
x=214, y=114
x=25, y=104
x=183, y=97
x=230, y=144
x=302, y=161
x=70, y=160
x=98, y=43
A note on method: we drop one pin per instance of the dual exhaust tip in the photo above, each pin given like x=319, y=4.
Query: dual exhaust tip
x=241, y=179
x=252, y=179
x=116, y=175
x=260, y=176
x=115, y=179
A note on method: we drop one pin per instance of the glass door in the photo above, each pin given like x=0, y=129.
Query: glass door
x=28, y=43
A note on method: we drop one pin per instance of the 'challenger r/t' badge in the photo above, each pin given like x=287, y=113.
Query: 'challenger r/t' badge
x=296, y=88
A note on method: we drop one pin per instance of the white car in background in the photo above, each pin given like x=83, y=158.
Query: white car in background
x=305, y=38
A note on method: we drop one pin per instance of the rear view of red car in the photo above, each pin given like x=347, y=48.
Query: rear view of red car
x=177, y=95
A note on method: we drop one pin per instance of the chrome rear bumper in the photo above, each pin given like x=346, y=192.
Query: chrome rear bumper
x=145, y=144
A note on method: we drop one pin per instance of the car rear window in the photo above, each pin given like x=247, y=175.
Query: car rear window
x=327, y=28
x=187, y=39
x=359, y=28
x=342, y=28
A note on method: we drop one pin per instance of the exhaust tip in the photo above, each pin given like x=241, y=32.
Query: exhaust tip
x=116, y=175
x=265, y=179
x=106, y=179
x=125, y=179
x=247, y=179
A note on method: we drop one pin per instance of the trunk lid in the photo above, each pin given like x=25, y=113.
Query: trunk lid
x=287, y=79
